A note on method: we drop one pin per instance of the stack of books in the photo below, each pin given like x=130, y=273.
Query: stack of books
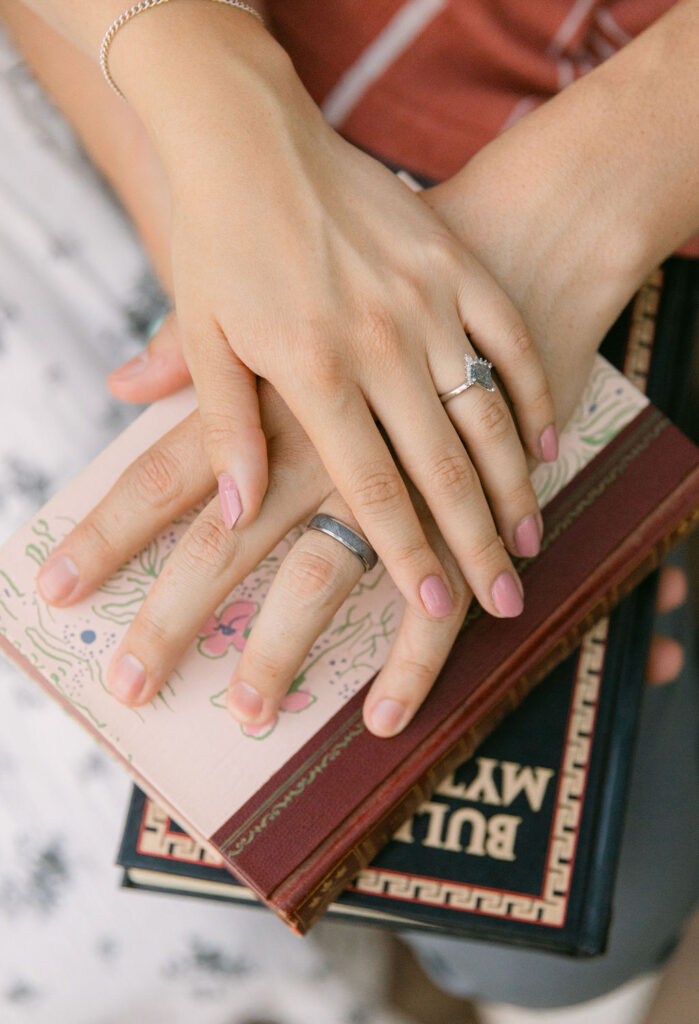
x=517, y=844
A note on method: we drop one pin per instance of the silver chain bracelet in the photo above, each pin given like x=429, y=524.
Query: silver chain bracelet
x=138, y=9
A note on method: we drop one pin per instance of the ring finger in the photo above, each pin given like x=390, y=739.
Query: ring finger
x=316, y=577
x=485, y=423
x=439, y=466
x=312, y=582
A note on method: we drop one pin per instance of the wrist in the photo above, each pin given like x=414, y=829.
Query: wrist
x=178, y=62
x=567, y=279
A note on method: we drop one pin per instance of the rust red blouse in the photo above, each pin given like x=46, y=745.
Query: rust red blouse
x=426, y=83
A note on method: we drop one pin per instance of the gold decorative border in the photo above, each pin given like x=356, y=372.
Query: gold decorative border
x=156, y=839
x=644, y=313
x=550, y=906
x=291, y=788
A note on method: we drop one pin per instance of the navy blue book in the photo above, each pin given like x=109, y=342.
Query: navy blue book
x=520, y=843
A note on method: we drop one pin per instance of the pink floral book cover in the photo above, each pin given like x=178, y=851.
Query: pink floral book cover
x=183, y=748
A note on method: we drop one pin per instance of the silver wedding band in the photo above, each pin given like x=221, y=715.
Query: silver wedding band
x=351, y=540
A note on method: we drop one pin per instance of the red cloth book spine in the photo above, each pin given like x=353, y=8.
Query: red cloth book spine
x=310, y=829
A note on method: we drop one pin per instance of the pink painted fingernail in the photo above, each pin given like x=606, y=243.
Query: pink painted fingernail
x=244, y=702
x=527, y=537
x=57, y=579
x=549, y=444
x=131, y=368
x=506, y=596
x=387, y=716
x=127, y=678
x=435, y=597
x=229, y=497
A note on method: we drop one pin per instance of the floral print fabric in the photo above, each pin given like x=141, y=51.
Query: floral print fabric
x=76, y=299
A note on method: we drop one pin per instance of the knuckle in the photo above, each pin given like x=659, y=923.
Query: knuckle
x=378, y=491
x=494, y=422
x=150, y=632
x=486, y=551
x=217, y=430
x=206, y=546
x=543, y=399
x=319, y=362
x=443, y=252
x=410, y=555
x=262, y=664
x=95, y=533
x=521, y=495
x=156, y=478
x=521, y=342
x=410, y=667
x=311, y=576
x=452, y=474
x=324, y=365
x=381, y=334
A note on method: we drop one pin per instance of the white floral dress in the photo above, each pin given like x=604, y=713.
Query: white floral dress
x=76, y=299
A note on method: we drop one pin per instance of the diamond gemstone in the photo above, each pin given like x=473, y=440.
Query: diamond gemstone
x=478, y=372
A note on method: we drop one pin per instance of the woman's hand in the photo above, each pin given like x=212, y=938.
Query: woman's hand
x=301, y=260
x=209, y=560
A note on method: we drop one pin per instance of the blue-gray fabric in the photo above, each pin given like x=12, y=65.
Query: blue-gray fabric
x=657, y=883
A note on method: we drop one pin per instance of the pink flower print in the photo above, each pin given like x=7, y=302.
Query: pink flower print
x=220, y=631
x=295, y=701
x=259, y=732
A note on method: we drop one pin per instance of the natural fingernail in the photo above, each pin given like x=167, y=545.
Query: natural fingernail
x=435, y=597
x=229, y=497
x=132, y=368
x=128, y=678
x=549, y=444
x=506, y=596
x=387, y=716
x=527, y=537
x=57, y=579
x=244, y=702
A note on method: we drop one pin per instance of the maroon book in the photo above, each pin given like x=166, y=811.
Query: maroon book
x=345, y=793
x=297, y=811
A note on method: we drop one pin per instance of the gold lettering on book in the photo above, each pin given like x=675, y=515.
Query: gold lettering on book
x=499, y=836
x=515, y=779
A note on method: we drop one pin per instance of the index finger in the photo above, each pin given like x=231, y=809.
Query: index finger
x=164, y=482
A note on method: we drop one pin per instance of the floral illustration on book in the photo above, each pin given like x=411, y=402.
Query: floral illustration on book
x=73, y=650
x=69, y=655
x=230, y=628
x=352, y=642
x=608, y=403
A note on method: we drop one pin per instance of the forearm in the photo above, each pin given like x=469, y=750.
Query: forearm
x=620, y=145
x=175, y=63
x=572, y=207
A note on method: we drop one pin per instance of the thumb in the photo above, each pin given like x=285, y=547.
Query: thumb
x=157, y=371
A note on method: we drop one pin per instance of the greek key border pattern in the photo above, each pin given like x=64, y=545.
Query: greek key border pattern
x=157, y=840
x=549, y=908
